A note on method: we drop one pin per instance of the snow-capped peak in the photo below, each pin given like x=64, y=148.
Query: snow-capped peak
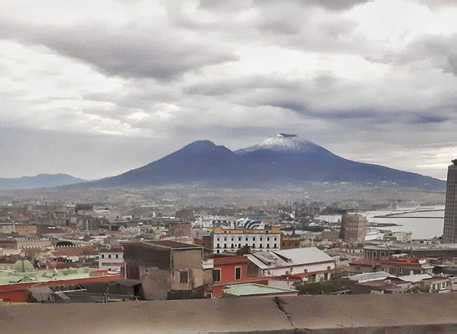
x=283, y=142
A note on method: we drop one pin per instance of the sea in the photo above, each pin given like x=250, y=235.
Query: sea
x=424, y=222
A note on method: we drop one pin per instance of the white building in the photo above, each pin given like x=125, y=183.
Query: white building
x=231, y=240
x=111, y=260
x=213, y=221
x=310, y=263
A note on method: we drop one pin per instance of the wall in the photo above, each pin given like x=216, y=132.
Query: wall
x=361, y=314
x=297, y=270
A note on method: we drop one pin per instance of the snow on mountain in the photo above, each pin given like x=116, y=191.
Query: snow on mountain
x=283, y=143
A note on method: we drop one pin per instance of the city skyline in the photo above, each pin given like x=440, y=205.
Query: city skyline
x=359, y=77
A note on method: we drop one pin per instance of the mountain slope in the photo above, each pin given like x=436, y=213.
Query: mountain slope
x=200, y=161
x=278, y=160
x=287, y=157
x=38, y=181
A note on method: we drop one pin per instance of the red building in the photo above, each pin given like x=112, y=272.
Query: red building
x=229, y=270
x=19, y=292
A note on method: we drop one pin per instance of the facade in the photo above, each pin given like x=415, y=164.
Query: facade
x=309, y=263
x=231, y=270
x=394, y=266
x=232, y=240
x=450, y=211
x=353, y=227
x=111, y=260
x=167, y=269
x=33, y=243
x=180, y=230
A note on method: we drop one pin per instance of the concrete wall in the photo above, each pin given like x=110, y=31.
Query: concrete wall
x=362, y=314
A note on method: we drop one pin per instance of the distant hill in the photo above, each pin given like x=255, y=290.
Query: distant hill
x=282, y=159
x=38, y=181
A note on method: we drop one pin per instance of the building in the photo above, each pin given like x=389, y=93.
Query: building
x=309, y=264
x=15, y=284
x=167, y=269
x=257, y=290
x=386, y=250
x=290, y=241
x=393, y=265
x=231, y=240
x=180, y=230
x=231, y=270
x=111, y=260
x=353, y=227
x=450, y=211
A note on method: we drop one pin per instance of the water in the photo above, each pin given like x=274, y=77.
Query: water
x=421, y=228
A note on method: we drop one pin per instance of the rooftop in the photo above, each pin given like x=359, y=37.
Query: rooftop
x=169, y=244
x=40, y=276
x=288, y=257
x=252, y=289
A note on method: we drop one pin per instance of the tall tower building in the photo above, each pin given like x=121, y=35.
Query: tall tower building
x=450, y=211
x=353, y=227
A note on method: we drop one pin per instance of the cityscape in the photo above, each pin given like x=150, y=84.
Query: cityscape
x=235, y=166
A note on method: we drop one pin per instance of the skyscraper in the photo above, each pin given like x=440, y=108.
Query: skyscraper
x=353, y=228
x=450, y=211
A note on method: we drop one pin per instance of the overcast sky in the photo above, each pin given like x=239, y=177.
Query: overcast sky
x=93, y=88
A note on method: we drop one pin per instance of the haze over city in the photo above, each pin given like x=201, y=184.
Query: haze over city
x=373, y=81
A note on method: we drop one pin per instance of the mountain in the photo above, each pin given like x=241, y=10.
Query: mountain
x=282, y=159
x=38, y=181
x=200, y=161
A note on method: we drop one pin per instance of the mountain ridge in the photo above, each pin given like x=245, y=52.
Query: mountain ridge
x=282, y=159
x=42, y=180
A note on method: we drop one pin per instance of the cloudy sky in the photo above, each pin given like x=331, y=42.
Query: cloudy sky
x=93, y=88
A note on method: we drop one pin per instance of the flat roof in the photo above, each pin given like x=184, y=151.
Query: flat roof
x=253, y=289
x=171, y=244
x=40, y=276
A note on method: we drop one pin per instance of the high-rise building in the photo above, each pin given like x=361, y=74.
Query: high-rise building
x=353, y=227
x=450, y=211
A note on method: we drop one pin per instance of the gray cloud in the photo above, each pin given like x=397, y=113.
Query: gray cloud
x=163, y=74
x=128, y=51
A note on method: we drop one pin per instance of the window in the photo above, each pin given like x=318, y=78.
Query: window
x=183, y=277
x=109, y=256
x=103, y=256
x=218, y=246
x=253, y=238
x=217, y=239
x=253, y=245
x=268, y=238
x=216, y=275
x=261, y=238
x=268, y=245
x=275, y=246
x=225, y=245
x=239, y=238
x=260, y=246
x=117, y=256
x=225, y=238
x=237, y=273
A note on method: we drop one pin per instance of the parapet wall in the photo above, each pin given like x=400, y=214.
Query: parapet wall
x=361, y=314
